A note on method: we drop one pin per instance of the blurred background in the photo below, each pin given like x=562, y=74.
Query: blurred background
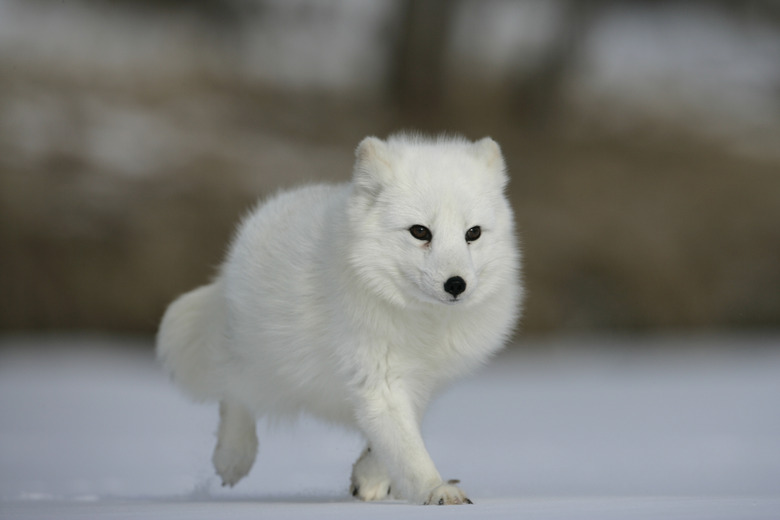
x=642, y=139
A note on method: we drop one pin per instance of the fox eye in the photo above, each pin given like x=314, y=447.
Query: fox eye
x=473, y=234
x=421, y=232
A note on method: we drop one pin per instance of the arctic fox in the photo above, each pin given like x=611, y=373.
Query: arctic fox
x=356, y=303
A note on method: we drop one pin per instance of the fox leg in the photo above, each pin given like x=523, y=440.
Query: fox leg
x=236, y=443
x=370, y=478
x=391, y=421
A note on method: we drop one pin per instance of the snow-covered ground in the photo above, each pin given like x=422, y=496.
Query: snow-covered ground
x=602, y=429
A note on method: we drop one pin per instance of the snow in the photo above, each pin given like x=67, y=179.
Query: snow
x=598, y=428
x=689, y=64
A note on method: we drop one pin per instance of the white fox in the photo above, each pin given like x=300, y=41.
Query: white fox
x=356, y=303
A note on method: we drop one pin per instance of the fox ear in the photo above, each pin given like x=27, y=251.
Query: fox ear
x=488, y=151
x=373, y=167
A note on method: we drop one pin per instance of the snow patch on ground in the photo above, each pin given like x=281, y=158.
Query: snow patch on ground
x=580, y=429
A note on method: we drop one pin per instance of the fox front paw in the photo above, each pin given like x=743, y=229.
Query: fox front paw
x=447, y=494
x=371, y=492
x=370, y=480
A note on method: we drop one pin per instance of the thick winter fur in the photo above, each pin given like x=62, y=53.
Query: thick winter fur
x=327, y=303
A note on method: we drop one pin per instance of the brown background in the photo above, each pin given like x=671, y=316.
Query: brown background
x=133, y=135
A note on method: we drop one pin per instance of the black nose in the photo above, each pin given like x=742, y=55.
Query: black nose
x=455, y=285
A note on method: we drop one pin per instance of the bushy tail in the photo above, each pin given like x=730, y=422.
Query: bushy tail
x=189, y=341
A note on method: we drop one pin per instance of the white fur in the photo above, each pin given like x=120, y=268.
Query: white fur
x=327, y=304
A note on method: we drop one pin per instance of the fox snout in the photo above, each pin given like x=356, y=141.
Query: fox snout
x=455, y=285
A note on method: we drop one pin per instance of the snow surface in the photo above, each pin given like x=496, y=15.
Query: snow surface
x=603, y=429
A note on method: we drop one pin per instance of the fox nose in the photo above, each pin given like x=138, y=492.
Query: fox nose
x=455, y=285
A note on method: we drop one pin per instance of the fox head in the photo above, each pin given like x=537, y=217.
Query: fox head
x=429, y=221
